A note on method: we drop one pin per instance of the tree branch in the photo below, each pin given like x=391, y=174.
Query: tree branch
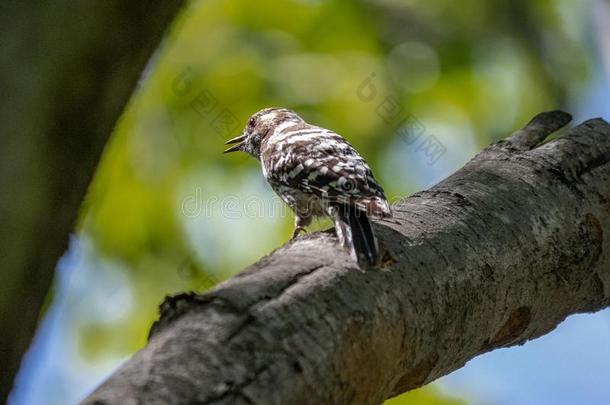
x=498, y=253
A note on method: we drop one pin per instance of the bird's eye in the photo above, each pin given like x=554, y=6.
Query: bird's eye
x=250, y=122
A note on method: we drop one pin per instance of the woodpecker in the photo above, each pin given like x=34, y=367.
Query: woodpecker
x=316, y=172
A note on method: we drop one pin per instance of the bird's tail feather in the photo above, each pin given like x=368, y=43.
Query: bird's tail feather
x=355, y=233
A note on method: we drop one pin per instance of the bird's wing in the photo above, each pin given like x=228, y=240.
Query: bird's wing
x=322, y=163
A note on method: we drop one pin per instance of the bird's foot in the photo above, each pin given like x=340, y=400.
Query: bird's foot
x=297, y=231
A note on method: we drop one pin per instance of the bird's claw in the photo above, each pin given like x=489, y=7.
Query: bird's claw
x=297, y=231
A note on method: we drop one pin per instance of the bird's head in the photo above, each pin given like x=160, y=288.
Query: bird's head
x=261, y=125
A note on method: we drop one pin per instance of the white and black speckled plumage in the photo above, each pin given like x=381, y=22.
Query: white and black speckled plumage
x=316, y=172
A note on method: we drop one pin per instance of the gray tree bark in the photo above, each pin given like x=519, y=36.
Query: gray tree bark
x=498, y=253
x=67, y=70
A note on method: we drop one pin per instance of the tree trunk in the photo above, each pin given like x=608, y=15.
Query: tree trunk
x=497, y=254
x=67, y=70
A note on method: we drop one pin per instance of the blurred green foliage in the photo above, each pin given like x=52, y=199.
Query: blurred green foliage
x=470, y=71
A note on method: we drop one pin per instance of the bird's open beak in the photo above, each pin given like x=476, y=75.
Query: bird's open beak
x=238, y=141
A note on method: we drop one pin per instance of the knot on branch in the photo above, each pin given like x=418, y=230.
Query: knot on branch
x=538, y=129
x=511, y=331
x=173, y=307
